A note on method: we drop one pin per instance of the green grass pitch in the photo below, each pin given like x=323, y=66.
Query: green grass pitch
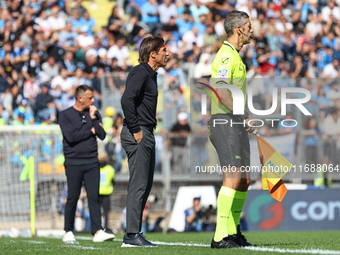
x=316, y=242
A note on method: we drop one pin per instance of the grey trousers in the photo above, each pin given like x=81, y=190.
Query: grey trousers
x=141, y=159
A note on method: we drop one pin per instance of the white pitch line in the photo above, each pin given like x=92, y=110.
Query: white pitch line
x=302, y=251
x=35, y=242
x=81, y=247
x=264, y=249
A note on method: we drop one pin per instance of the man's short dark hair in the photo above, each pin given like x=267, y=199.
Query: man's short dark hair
x=82, y=89
x=196, y=198
x=148, y=45
x=234, y=19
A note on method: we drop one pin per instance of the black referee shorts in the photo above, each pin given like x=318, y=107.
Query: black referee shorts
x=230, y=142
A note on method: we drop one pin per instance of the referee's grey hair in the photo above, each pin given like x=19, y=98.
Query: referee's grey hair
x=234, y=19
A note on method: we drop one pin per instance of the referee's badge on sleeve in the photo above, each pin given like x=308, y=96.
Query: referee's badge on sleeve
x=222, y=73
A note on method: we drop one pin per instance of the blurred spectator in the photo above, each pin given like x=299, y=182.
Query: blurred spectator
x=21, y=54
x=60, y=86
x=115, y=23
x=108, y=119
x=118, y=151
x=27, y=37
x=337, y=51
x=194, y=217
x=54, y=48
x=311, y=134
x=78, y=78
x=88, y=22
x=42, y=24
x=332, y=69
x=50, y=68
x=331, y=8
x=203, y=67
x=266, y=131
x=147, y=226
x=19, y=120
x=179, y=151
x=133, y=28
x=32, y=67
x=331, y=126
x=199, y=152
x=23, y=108
x=4, y=81
x=190, y=37
x=209, y=36
x=334, y=93
x=314, y=27
x=7, y=73
x=323, y=102
x=324, y=57
x=68, y=38
x=107, y=174
x=329, y=40
x=287, y=126
x=81, y=9
x=197, y=9
x=56, y=23
x=84, y=40
x=90, y=66
x=191, y=58
x=69, y=63
x=75, y=20
x=96, y=84
x=185, y=23
x=80, y=210
x=166, y=10
x=103, y=36
x=44, y=103
x=298, y=69
x=150, y=15
x=121, y=52
x=11, y=101
x=31, y=88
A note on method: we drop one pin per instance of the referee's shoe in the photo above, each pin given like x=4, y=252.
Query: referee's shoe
x=224, y=243
x=240, y=239
x=137, y=240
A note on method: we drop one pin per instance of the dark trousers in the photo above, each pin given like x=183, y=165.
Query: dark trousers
x=141, y=159
x=75, y=175
x=104, y=201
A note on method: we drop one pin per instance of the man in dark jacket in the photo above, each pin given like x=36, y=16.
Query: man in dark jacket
x=139, y=103
x=80, y=125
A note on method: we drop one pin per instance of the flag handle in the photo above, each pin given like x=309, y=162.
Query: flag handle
x=255, y=133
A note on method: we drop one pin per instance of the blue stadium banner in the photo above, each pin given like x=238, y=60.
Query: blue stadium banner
x=300, y=210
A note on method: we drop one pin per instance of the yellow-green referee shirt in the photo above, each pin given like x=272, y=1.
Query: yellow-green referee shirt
x=228, y=65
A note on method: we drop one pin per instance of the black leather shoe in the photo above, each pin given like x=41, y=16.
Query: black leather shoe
x=136, y=241
x=224, y=243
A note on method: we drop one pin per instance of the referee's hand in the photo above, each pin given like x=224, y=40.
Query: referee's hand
x=249, y=129
x=138, y=136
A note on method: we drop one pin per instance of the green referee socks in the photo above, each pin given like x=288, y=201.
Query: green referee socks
x=224, y=202
x=235, y=212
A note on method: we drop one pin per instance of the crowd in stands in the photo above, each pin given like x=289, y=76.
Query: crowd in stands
x=48, y=48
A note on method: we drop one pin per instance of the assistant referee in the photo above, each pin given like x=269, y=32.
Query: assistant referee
x=81, y=124
x=231, y=142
